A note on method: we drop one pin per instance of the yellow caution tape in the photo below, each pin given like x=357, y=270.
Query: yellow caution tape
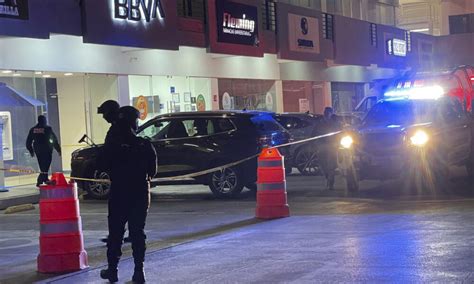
x=180, y=177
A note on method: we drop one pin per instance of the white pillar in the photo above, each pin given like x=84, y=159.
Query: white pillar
x=279, y=95
x=123, y=90
x=214, y=94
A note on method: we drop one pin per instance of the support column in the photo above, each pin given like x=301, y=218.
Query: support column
x=279, y=107
x=214, y=94
x=123, y=90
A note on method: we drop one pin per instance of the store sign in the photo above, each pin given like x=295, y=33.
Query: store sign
x=134, y=23
x=201, y=103
x=303, y=33
x=303, y=105
x=138, y=10
x=397, y=47
x=237, y=23
x=142, y=106
x=16, y=9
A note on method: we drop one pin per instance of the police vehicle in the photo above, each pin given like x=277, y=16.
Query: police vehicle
x=422, y=127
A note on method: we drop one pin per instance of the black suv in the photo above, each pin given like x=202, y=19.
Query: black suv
x=301, y=126
x=416, y=133
x=192, y=142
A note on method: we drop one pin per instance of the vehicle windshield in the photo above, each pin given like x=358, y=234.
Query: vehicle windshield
x=266, y=123
x=401, y=112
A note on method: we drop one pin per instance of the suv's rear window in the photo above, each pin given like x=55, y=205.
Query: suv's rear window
x=266, y=123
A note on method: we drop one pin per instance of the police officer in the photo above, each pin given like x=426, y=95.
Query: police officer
x=109, y=110
x=40, y=141
x=131, y=162
x=329, y=147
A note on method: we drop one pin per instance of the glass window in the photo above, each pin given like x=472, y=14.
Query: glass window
x=220, y=125
x=156, y=130
x=266, y=123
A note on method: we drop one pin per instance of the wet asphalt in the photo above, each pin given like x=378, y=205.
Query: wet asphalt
x=381, y=234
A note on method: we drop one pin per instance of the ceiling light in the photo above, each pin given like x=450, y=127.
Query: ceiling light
x=17, y=74
x=68, y=74
x=7, y=71
x=46, y=76
x=420, y=30
x=38, y=73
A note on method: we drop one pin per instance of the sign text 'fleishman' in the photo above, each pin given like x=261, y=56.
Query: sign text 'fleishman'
x=138, y=10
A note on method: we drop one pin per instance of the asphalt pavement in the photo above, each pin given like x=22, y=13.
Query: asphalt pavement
x=379, y=234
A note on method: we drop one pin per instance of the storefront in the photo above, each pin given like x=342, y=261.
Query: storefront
x=135, y=60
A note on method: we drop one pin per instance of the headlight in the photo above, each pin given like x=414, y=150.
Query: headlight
x=346, y=142
x=420, y=138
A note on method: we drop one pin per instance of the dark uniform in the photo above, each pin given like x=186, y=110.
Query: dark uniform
x=40, y=141
x=329, y=147
x=131, y=162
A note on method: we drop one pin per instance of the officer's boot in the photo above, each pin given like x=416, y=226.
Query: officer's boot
x=110, y=274
x=138, y=273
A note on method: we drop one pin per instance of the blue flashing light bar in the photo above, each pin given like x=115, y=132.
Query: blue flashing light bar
x=417, y=93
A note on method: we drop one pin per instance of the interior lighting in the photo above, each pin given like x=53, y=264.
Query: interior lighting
x=46, y=76
x=38, y=73
x=346, y=142
x=420, y=138
x=68, y=74
x=7, y=71
x=423, y=93
x=420, y=30
x=17, y=74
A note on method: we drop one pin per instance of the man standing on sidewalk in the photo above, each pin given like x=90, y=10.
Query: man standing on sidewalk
x=131, y=163
x=109, y=110
x=40, y=142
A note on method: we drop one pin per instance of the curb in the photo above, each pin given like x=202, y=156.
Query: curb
x=19, y=208
x=19, y=200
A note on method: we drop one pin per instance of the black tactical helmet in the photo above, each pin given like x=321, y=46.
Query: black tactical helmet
x=107, y=107
x=109, y=110
x=128, y=117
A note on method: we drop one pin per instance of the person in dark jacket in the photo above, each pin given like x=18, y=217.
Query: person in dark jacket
x=329, y=147
x=131, y=162
x=109, y=110
x=40, y=142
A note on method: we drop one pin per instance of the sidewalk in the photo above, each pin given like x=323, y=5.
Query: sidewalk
x=370, y=248
x=19, y=195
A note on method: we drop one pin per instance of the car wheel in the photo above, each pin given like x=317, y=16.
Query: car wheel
x=226, y=183
x=352, y=180
x=96, y=190
x=307, y=162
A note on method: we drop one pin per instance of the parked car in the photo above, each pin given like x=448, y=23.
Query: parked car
x=302, y=156
x=196, y=141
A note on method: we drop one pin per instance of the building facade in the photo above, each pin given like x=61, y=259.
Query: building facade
x=63, y=58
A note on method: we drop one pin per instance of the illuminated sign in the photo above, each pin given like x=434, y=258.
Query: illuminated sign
x=303, y=33
x=237, y=23
x=138, y=10
x=17, y=9
x=397, y=47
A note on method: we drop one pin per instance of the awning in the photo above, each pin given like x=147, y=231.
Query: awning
x=12, y=98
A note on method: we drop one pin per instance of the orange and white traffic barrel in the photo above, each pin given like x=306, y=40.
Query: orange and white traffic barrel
x=271, y=186
x=61, y=240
